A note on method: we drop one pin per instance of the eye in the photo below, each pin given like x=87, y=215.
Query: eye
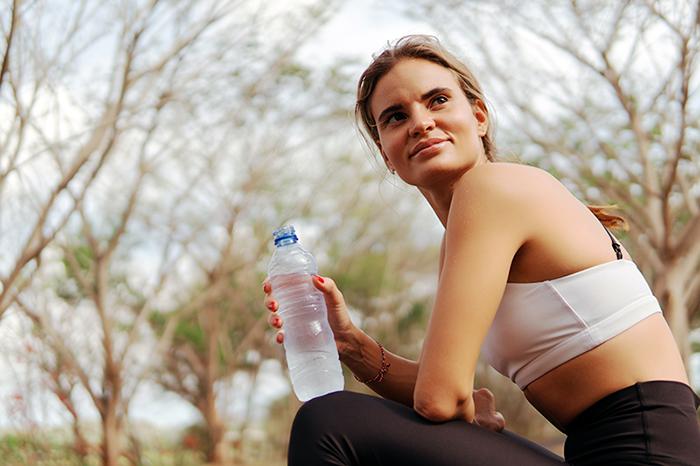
x=397, y=116
x=439, y=100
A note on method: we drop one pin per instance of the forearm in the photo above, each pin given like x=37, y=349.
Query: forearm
x=362, y=356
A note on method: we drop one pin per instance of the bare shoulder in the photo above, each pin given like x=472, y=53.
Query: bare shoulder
x=503, y=200
x=518, y=183
x=527, y=202
x=562, y=236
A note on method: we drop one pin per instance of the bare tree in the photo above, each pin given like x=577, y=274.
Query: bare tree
x=8, y=40
x=49, y=356
x=91, y=171
x=218, y=320
x=79, y=157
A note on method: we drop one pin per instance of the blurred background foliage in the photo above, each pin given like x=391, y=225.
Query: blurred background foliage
x=149, y=148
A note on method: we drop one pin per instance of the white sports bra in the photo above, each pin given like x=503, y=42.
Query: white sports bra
x=539, y=326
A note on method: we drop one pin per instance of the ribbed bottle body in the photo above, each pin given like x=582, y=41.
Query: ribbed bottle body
x=310, y=350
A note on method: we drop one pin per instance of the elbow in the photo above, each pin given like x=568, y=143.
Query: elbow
x=444, y=410
x=432, y=411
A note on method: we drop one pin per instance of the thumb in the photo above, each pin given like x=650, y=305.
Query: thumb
x=485, y=399
x=492, y=421
x=331, y=293
x=486, y=414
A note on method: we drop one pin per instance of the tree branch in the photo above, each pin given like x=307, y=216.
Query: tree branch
x=8, y=41
x=672, y=167
x=57, y=342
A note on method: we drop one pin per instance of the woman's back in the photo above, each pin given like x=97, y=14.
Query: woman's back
x=568, y=239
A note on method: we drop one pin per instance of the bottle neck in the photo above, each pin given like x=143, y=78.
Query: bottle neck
x=285, y=242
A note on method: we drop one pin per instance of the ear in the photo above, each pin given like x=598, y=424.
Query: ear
x=482, y=117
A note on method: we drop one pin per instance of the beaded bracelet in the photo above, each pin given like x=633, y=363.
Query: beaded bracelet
x=382, y=371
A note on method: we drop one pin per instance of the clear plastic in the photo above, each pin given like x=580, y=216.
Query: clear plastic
x=309, y=346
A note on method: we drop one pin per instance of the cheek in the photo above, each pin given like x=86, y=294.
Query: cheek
x=385, y=149
x=468, y=125
x=391, y=145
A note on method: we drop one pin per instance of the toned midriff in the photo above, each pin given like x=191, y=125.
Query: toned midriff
x=647, y=351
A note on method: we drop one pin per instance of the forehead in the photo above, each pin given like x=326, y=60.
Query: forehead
x=409, y=79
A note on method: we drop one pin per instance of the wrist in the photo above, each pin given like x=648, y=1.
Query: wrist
x=383, y=369
x=364, y=356
x=350, y=345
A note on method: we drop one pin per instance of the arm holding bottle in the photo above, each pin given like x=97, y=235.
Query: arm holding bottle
x=357, y=350
x=363, y=356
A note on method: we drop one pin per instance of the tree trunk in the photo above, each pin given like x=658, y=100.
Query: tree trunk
x=216, y=454
x=111, y=437
x=216, y=450
x=675, y=309
x=80, y=444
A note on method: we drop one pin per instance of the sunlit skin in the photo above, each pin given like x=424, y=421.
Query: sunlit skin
x=421, y=101
x=503, y=223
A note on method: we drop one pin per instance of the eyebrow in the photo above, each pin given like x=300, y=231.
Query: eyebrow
x=427, y=95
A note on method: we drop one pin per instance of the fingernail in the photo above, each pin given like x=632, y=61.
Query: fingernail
x=271, y=305
x=266, y=287
x=276, y=321
x=279, y=338
x=320, y=279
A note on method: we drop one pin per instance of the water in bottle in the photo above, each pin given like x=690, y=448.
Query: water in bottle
x=312, y=356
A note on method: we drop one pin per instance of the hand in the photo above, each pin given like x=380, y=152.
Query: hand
x=486, y=414
x=338, y=317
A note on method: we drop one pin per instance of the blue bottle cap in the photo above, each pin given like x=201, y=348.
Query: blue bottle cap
x=284, y=235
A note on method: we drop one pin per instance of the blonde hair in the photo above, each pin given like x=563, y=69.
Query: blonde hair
x=428, y=48
x=425, y=48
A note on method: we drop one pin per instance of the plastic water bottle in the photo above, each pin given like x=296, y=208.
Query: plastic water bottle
x=312, y=356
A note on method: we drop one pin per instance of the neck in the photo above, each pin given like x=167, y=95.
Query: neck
x=440, y=196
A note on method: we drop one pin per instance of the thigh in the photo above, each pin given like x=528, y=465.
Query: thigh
x=648, y=423
x=347, y=428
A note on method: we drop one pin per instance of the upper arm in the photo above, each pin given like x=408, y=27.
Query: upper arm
x=487, y=224
x=442, y=257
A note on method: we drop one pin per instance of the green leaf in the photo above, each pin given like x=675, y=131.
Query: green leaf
x=192, y=333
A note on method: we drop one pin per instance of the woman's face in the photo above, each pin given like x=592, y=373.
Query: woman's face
x=428, y=129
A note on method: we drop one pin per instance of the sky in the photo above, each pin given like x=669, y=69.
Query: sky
x=361, y=28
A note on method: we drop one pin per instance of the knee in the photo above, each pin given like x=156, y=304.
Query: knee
x=318, y=413
x=314, y=429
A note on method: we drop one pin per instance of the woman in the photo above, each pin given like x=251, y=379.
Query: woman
x=528, y=275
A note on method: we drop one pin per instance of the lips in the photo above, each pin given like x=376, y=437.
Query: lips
x=423, y=145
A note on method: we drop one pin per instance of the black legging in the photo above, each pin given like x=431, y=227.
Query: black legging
x=646, y=424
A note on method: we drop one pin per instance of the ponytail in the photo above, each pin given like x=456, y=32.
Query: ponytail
x=607, y=219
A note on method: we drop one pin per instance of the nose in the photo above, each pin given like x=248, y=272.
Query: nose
x=421, y=123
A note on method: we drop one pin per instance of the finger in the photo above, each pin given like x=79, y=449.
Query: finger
x=271, y=304
x=485, y=393
x=501, y=421
x=493, y=421
x=485, y=398
x=330, y=291
x=275, y=320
